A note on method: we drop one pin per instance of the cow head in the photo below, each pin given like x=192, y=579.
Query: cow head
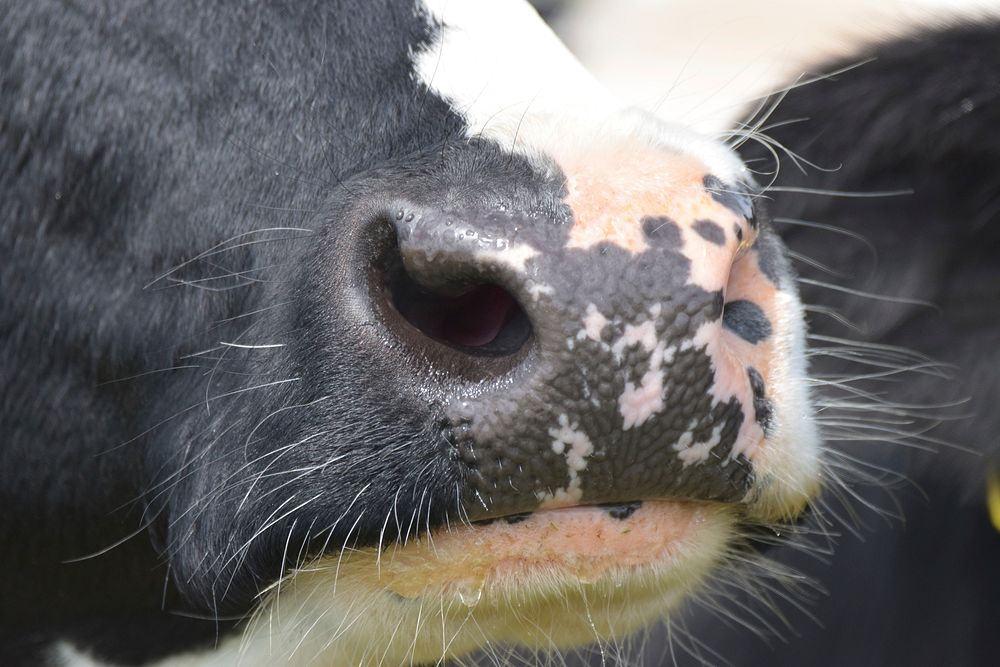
x=482, y=355
x=545, y=366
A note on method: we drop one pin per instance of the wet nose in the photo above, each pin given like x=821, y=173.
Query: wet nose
x=586, y=362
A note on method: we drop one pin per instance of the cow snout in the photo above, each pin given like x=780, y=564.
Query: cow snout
x=586, y=361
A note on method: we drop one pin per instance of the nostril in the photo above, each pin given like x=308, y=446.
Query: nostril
x=477, y=319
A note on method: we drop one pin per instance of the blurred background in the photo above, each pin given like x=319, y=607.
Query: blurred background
x=699, y=62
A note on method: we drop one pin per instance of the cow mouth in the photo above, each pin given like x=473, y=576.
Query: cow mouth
x=555, y=578
x=584, y=545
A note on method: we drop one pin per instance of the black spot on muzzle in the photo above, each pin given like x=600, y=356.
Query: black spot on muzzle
x=746, y=320
x=762, y=406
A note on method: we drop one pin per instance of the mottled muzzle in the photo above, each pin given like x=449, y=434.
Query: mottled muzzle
x=619, y=349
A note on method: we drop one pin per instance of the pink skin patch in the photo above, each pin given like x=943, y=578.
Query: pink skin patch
x=731, y=381
x=610, y=194
x=581, y=544
x=612, y=189
x=639, y=403
x=746, y=283
x=643, y=334
x=731, y=355
x=691, y=452
x=574, y=444
x=558, y=579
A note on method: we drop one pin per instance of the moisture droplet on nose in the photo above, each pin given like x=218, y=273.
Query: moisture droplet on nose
x=469, y=592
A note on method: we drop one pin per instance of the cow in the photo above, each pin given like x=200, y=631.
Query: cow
x=370, y=333
x=375, y=332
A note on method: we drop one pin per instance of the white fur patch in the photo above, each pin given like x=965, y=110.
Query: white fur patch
x=538, y=289
x=65, y=654
x=792, y=456
x=497, y=60
x=513, y=80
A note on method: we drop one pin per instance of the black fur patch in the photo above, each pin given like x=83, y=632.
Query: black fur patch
x=662, y=231
x=772, y=260
x=622, y=511
x=133, y=138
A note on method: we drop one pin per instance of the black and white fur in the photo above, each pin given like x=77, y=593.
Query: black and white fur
x=96, y=122
x=196, y=401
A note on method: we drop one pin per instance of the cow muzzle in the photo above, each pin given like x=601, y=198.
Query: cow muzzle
x=616, y=351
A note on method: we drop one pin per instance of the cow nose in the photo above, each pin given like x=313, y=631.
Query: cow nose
x=581, y=371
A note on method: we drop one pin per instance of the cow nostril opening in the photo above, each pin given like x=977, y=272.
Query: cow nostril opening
x=478, y=319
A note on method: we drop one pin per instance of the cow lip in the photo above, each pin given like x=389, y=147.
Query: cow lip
x=581, y=544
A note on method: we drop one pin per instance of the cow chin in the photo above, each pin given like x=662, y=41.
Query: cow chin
x=551, y=580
